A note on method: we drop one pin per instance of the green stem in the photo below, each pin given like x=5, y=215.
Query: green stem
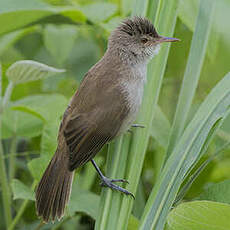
x=12, y=158
x=3, y=177
x=5, y=188
x=8, y=93
x=0, y=83
x=21, y=210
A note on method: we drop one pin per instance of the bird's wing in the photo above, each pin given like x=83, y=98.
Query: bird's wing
x=85, y=138
x=93, y=121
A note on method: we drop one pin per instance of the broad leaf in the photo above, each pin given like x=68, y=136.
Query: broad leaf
x=20, y=124
x=21, y=191
x=27, y=12
x=84, y=201
x=37, y=166
x=27, y=70
x=9, y=39
x=46, y=107
x=199, y=215
x=219, y=192
x=49, y=137
x=98, y=12
x=59, y=48
x=133, y=223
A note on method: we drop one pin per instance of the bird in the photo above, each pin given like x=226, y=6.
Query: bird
x=104, y=106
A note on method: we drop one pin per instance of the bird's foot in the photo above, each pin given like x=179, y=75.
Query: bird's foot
x=106, y=182
x=137, y=126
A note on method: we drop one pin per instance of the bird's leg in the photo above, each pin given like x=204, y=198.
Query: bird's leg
x=107, y=182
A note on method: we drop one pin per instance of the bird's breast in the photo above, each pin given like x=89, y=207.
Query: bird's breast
x=132, y=90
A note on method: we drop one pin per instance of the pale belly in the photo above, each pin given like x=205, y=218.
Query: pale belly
x=134, y=94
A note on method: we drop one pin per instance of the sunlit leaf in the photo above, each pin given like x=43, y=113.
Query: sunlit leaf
x=133, y=223
x=27, y=70
x=27, y=12
x=199, y=215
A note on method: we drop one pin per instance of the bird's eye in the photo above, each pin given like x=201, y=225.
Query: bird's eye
x=144, y=40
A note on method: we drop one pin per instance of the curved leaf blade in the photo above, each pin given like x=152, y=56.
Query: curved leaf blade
x=27, y=70
x=186, y=153
x=199, y=215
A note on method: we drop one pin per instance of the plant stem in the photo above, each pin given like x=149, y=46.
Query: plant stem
x=20, y=211
x=5, y=188
x=12, y=158
x=0, y=84
x=3, y=177
x=8, y=93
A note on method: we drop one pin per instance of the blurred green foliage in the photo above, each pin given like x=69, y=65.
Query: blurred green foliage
x=72, y=35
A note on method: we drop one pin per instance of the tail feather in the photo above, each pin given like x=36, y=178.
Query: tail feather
x=54, y=189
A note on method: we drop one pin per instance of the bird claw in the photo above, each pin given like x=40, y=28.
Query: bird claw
x=137, y=126
x=106, y=182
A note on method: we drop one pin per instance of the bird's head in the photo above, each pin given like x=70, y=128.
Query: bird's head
x=137, y=37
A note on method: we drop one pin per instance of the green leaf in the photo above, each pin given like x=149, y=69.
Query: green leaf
x=20, y=124
x=27, y=12
x=219, y=192
x=37, y=166
x=187, y=12
x=186, y=154
x=21, y=191
x=98, y=12
x=49, y=137
x=59, y=48
x=199, y=215
x=111, y=24
x=115, y=208
x=133, y=223
x=9, y=39
x=85, y=202
x=46, y=107
x=160, y=127
x=26, y=70
x=192, y=71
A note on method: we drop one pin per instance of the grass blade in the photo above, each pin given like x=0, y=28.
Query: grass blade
x=120, y=206
x=192, y=72
x=186, y=153
x=165, y=23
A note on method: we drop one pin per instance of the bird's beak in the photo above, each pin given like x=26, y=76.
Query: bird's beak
x=167, y=39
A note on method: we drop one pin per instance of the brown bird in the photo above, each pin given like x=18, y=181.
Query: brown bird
x=104, y=106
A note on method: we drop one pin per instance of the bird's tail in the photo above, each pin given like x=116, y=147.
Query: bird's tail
x=54, y=188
